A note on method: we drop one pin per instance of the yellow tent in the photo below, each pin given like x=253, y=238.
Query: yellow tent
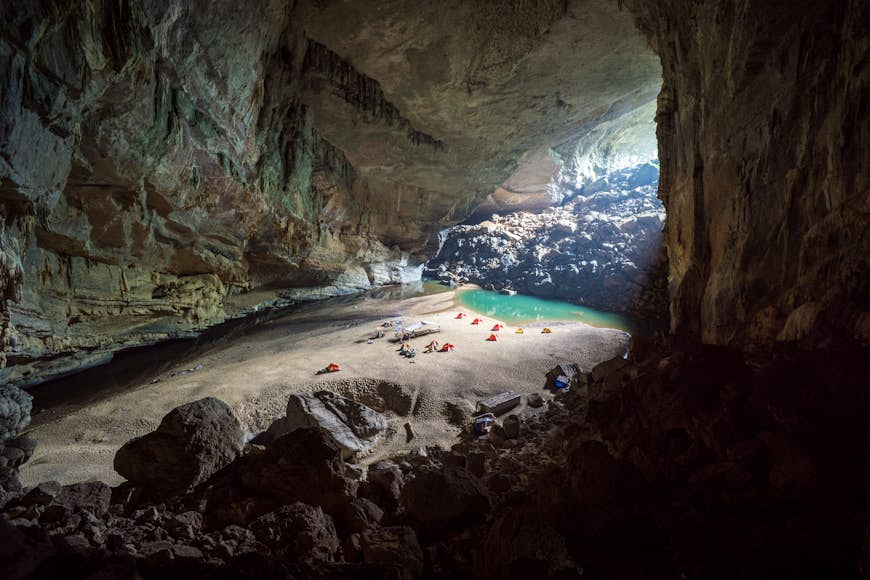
x=519, y=330
x=546, y=331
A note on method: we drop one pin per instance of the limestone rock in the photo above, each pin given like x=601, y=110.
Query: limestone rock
x=353, y=426
x=191, y=443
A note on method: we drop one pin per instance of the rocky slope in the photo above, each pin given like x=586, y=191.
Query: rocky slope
x=166, y=165
x=601, y=248
x=683, y=461
x=763, y=139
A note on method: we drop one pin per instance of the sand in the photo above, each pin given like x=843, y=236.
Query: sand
x=256, y=373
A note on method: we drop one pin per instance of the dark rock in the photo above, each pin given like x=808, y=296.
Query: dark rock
x=396, y=548
x=192, y=442
x=42, y=493
x=94, y=496
x=304, y=465
x=521, y=545
x=298, y=532
x=511, y=425
x=360, y=515
x=384, y=485
x=535, y=400
x=444, y=495
x=476, y=462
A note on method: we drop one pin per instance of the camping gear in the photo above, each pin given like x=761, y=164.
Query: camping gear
x=460, y=316
x=421, y=328
x=497, y=327
x=432, y=346
x=476, y=321
x=546, y=331
x=563, y=375
x=500, y=403
x=520, y=331
x=483, y=424
x=492, y=338
x=448, y=346
x=330, y=368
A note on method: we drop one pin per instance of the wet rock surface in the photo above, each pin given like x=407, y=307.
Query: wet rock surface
x=601, y=248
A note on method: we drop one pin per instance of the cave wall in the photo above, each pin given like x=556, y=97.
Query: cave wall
x=764, y=128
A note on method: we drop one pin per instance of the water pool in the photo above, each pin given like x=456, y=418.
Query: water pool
x=520, y=309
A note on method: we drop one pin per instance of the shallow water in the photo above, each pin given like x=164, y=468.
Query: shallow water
x=520, y=309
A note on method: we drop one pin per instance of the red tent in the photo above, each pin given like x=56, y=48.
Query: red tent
x=497, y=327
x=448, y=346
x=333, y=367
x=476, y=321
x=460, y=315
x=492, y=338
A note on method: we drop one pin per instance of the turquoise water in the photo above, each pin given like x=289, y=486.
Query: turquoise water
x=519, y=309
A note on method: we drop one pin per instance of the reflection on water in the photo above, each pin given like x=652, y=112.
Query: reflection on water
x=518, y=309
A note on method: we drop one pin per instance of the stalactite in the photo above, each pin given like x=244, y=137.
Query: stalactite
x=364, y=93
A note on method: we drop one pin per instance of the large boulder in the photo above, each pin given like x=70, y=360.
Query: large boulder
x=304, y=465
x=395, y=548
x=353, y=426
x=193, y=442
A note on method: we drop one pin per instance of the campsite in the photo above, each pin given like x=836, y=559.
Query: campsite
x=441, y=387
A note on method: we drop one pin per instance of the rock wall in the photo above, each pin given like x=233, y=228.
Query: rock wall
x=165, y=165
x=763, y=133
x=601, y=248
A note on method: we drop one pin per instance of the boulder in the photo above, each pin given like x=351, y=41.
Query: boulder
x=521, y=545
x=15, y=407
x=442, y=495
x=535, y=401
x=92, y=496
x=193, y=442
x=512, y=427
x=394, y=547
x=384, y=485
x=304, y=465
x=298, y=532
x=353, y=426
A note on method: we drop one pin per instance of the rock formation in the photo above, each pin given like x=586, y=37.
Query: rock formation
x=763, y=137
x=354, y=427
x=601, y=248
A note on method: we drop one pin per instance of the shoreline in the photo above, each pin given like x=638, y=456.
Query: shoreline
x=255, y=373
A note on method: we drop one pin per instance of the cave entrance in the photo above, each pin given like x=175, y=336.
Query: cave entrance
x=588, y=237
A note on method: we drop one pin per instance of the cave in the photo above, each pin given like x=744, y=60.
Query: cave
x=206, y=206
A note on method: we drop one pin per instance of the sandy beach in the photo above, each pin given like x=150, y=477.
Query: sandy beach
x=256, y=373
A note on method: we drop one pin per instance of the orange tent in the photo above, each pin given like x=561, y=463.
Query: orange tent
x=492, y=338
x=546, y=331
x=476, y=321
x=497, y=327
x=460, y=315
x=333, y=367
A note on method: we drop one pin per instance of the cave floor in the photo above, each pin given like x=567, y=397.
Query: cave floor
x=256, y=372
